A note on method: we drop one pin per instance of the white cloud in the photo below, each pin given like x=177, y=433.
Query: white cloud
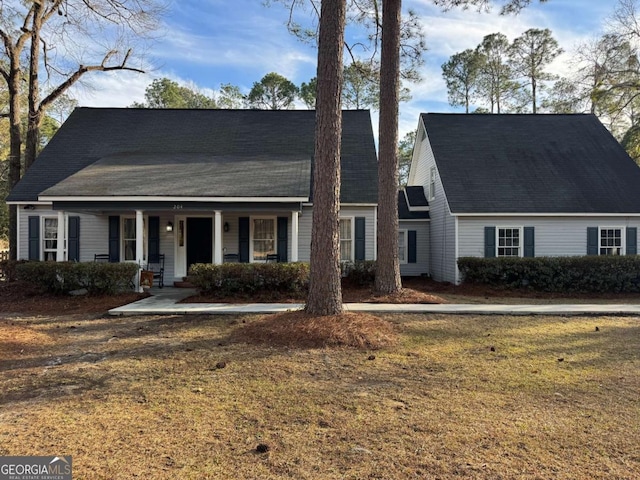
x=112, y=89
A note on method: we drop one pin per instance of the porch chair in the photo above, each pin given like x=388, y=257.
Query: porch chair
x=101, y=257
x=231, y=258
x=155, y=264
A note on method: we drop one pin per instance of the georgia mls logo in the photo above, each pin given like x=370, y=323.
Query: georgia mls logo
x=35, y=468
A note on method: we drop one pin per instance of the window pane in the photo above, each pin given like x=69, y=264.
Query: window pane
x=129, y=229
x=345, y=229
x=264, y=234
x=345, y=250
x=401, y=247
x=263, y=228
x=346, y=239
x=610, y=241
x=261, y=248
x=49, y=239
x=129, y=249
x=508, y=242
x=50, y=228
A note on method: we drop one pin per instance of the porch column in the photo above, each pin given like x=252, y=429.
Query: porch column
x=294, y=236
x=139, y=245
x=217, y=238
x=60, y=236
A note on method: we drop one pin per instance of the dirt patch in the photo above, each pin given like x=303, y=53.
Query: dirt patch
x=301, y=330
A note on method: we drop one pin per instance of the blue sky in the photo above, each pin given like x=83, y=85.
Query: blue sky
x=204, y=43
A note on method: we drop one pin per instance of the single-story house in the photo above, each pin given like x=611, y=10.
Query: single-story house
x=192, y=185
x=523, y=185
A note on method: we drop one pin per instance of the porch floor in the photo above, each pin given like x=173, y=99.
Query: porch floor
x=165, y=302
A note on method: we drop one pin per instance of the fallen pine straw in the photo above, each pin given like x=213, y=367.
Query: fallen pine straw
x=298, y=329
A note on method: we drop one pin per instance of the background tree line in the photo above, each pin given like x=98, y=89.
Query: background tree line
x=498, y=76
x=271, y=92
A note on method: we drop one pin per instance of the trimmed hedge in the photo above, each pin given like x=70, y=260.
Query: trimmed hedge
x=64, y=277
x=246, y=278
x=8, y=269
x=605, y=274
x=360, y=272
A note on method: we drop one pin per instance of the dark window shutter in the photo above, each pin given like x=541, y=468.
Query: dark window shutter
x=411, y=246
x=592, y=240
x=34, y=238
x=632, y=241
x=529, y=242
x=360, y=238
x=489, y=242
x=283, y=243
x=153, y=240
x=243, y=239
x=73, y=241
x=114, y=239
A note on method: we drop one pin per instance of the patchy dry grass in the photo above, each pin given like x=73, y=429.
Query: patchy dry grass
x=457, y=397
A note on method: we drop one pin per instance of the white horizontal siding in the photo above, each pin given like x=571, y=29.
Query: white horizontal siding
x=442, y=260
x=304, y=234
x=554, y=236
x=93, y=232
x=305, y=229
x=422, y=160
x=422, y=249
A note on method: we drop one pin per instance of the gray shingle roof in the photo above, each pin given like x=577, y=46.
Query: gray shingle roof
x=416, y=196
x=257, y=153
x=190, y=175
x=532, y=164
x=416, y=201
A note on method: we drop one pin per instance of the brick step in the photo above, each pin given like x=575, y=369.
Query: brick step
x=185, y=283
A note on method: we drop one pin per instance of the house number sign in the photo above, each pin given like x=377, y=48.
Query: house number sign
x=177, y=207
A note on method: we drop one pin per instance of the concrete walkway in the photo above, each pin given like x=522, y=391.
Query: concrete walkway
x=164, y=302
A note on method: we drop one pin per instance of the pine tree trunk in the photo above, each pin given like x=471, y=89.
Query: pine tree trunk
x=15, y=142
x=388, y=268
x=325, y=293
x=35, y=116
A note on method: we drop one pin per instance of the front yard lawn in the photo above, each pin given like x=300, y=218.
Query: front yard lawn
x=458, y=397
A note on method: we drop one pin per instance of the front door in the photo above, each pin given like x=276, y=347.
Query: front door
x=199, y=241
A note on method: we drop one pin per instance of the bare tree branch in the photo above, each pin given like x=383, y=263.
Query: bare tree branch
x=73, y=78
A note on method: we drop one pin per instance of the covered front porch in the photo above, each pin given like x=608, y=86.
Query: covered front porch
x=185, y=233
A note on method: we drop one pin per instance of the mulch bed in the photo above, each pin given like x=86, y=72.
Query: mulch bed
x=21, y=297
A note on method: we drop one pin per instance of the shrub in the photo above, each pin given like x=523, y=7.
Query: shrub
x=609, y=274
x=246, y=278
x=360, y=272
x=64, y=277
x=8, y=269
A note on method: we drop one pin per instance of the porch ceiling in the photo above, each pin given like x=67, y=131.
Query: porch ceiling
x=189, y=175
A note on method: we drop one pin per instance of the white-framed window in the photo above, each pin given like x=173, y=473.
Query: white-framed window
x=128, y=238
x=403, y=246
x=509, y=241
x=347, y=244
x=611, y=241
x=50, y=238
x=263, y=238
x=432, y=183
